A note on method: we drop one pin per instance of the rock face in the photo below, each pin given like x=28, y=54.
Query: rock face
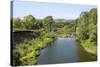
x=19, y=36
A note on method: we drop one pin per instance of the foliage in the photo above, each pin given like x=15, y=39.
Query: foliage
x=26, y=52
x=86, y=31
x=29, y=21
x=48, y=23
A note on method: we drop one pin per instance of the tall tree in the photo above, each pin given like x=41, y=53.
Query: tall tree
x=17, y=24
x=93, y=24
x=29, y=21
x=48, y=23
x=82, y=27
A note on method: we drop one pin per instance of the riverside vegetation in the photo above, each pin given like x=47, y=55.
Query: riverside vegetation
x=31, y=35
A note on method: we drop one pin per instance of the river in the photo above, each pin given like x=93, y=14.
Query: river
x=64, y=50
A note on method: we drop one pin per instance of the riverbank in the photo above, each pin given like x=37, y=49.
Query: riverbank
x=65, y=50
x=90, y=47
x=27, y=52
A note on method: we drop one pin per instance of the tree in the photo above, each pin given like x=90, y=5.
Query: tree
x=82, y=23
x=93, y=24
x=38, y=24
x=17, y=24
x=86, y=28
x=29, y=21
x=48, y=23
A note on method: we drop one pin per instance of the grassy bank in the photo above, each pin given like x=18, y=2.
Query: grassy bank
x=85, y=55
x=87, y=51
x=26, y=53
x=89, y=46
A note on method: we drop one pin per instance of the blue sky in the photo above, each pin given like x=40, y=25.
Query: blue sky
x=41, y=10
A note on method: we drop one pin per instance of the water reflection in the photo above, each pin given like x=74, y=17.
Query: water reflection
x=64, y=50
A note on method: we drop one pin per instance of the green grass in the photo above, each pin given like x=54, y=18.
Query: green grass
x=89, y=46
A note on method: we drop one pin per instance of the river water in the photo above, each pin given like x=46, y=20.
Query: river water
x=64, y=50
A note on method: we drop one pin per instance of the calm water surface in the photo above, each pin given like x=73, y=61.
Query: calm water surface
x=64, y=50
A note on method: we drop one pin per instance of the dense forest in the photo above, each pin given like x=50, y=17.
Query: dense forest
x=86, y=29
x=42, y=32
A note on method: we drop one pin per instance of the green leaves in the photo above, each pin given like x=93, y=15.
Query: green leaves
x=86, y=30
x=27, y=51
x=48, y=23
x=17, y=23
x=29, y=21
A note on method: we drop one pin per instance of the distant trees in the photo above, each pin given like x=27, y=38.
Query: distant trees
x=29, y=22
x=60, y=24
x=48, y=23
x=38, y=24
x=17, y=24
x=85, y=25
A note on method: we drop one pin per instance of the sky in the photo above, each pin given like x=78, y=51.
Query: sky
x=41, y=9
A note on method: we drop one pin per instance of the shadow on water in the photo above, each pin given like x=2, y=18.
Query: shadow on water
x=84, y=55
x=20, y=36
x=65, y=50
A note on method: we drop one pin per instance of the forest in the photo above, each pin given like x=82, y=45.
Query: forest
x=42, y=32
